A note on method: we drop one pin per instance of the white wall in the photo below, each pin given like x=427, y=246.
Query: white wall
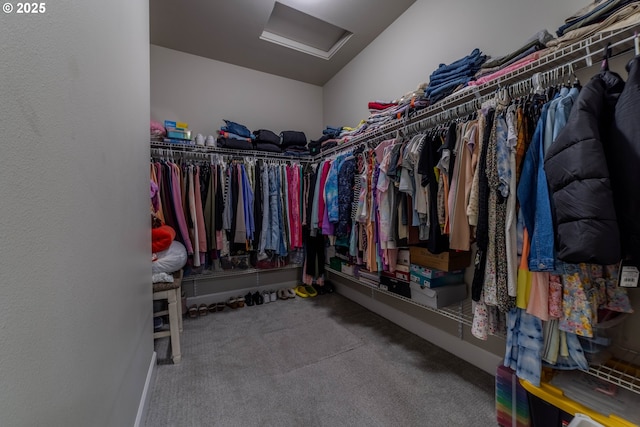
x=204, y=92
x=75, y=295
x=429, y=33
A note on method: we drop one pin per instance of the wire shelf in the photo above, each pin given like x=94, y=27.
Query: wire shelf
x=622, y=370
x=461, y=312
x=212, y=274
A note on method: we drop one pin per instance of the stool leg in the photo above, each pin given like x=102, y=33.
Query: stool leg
x=179, y=296
x=174, y=327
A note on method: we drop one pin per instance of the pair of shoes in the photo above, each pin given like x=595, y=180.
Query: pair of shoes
x=203, y=309
x=301, y=291
x=193, y=311
x=232, y=303
x=248, y=298
x=266, y=296
x=320, y=290
x=210, y=141
x=213, y=308
x=269, y=296
x=240, y=301
x=200, y=140
x=257, y=298
x=286, y=293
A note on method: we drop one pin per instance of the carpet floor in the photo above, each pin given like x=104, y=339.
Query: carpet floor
x=323, y=361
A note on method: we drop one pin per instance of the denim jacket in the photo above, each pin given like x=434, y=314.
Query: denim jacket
x=533, y=194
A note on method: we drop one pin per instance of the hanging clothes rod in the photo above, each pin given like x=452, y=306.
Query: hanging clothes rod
x=193, y=150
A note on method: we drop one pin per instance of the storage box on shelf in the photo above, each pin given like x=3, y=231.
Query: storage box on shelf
x=390, y=283
x=398, y=274
x=446, y=261
x=438, y=297
x=432, y=278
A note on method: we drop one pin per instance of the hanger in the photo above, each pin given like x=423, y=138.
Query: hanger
x=636, y=43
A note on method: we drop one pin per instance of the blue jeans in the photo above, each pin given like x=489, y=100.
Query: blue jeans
x=472, y=58
x=535, y=203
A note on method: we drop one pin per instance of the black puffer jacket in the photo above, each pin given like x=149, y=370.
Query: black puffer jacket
x=578, y=177
x=623, y=157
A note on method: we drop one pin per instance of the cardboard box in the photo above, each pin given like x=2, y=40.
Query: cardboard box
x=431, y=278
x=396, y=286
x=403, y=268
x=397, y=275
x=404, y=257
x=446, y=261
x=438, y=297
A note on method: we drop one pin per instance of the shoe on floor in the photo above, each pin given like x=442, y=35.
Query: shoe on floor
x=240, y=301
x=273, y=296
x=193, y=311
x=203, y=309
x=248, y=299
x=282, y=294
x=291, y=293
x=257, y=298
x=301, y=291
x=310, y=290
x=319, y=289
x=266, y=296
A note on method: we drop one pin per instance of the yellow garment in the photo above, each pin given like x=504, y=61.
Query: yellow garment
x=524, y=275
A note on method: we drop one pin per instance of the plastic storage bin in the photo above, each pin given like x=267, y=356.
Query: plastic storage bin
x=550, y=405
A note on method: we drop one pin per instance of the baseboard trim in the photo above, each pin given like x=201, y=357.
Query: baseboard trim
x=479, y=357
x=146, y=392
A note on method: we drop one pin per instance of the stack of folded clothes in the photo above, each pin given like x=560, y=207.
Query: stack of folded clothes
x=266, y=140
x=447, y=78
x=330, y=133
x=235, y=136
x=294, y=143
x=532, y=50
x=595, y=12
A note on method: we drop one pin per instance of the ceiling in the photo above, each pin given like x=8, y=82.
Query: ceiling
x=229, y=31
